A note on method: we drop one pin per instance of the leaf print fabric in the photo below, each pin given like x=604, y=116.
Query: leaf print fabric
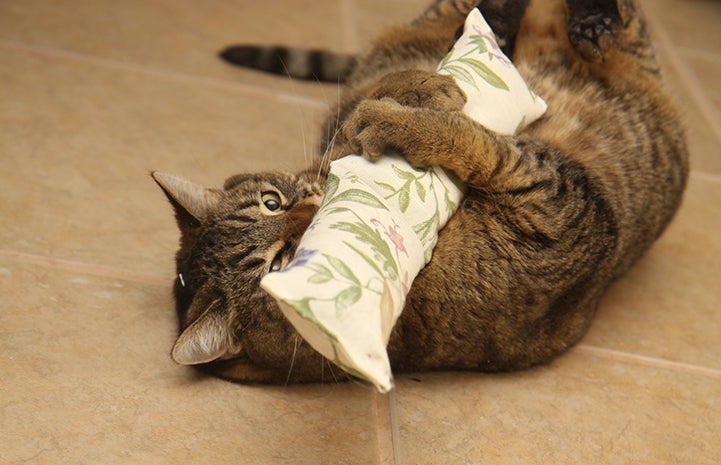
x=498, y=97
x=353, y=278
x=379, y=222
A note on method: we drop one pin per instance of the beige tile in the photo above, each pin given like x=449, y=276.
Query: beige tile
x=707, y=69
x=78, y=142
x=375, y=16
x=704, y=142
x=176, y=36
x=668, y=306
x=87, y=379
x=689, y=23
x=578, y=410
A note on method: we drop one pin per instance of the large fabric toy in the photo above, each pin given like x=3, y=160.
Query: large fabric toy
x=379, y=222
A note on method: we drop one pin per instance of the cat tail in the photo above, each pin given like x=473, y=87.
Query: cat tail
x=299, y=63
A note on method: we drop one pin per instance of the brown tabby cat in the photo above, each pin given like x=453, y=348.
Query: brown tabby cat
x=551, y=218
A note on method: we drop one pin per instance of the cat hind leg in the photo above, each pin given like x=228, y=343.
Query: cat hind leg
x=611, y=37
x=592, y=26
x=504, y=17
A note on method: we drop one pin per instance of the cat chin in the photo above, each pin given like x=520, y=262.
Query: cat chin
x=239, y=368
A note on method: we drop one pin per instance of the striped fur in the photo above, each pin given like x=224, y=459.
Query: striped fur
x=552, y=217
x=298, y=63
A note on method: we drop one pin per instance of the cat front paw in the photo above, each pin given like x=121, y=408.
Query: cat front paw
x=372, y=126
x=420, y=89
x=423, y=137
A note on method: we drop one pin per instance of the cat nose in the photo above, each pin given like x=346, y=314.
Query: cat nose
x=301, y=214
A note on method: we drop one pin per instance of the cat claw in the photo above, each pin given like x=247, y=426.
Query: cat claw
x=420, y=89
x=367, y=128
x=593, y=35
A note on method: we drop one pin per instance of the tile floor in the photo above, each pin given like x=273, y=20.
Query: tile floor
x=94, y=94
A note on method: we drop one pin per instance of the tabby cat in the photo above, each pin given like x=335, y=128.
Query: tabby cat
x=552, y=216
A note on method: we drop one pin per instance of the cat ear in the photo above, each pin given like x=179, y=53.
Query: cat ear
x=190, y=201
x=206, y=339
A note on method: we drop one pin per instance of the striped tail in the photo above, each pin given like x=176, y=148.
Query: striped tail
x=299, y=63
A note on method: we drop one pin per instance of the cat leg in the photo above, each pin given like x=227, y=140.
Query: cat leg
x=479, y=157
x=411, y=88
x=504, y=17
x=611, y=36
x=592, y=26
x=420, y=89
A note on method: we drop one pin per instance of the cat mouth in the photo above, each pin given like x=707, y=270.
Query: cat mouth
x=238, y=367
x=300, y=218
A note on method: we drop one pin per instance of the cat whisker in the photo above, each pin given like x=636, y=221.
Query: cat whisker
x=330, y=368
x=296, y=344
x=322, y=370
x=358, y=382
x=306, y=159
x=324, y=164
x=327, y=135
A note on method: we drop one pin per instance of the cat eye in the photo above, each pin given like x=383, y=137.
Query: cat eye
x=271, y=201
x=277, y=263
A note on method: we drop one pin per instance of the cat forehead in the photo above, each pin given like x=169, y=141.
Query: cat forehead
x=282, y=181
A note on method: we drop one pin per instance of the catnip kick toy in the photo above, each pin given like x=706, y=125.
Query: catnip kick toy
x=379, y=222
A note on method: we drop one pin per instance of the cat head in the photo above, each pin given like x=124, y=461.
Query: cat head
x=230, y=239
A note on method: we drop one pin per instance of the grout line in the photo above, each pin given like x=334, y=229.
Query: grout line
x=386, y=428
x=80, y=267
x=395, y=431
x=213, y=83
x=648, y=361
x=684, y=70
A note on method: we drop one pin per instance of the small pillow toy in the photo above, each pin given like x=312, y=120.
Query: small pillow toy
x=379, y=221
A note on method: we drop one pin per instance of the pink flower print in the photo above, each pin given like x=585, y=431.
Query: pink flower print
x=404, y=284
x=392, y=234
x=491, y=40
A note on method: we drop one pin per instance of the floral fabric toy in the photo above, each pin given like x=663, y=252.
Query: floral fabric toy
x=379, y=222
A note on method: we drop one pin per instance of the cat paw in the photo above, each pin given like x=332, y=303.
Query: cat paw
x=420, y=89
x=504, y=17
x=593, y=33
x=371, y=127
